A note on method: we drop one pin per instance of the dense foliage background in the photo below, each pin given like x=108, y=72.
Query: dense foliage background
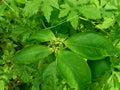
x=59, y=44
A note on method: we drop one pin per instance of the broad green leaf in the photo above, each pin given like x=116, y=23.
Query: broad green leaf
x=43, y=36
x=31, y=8
x=90, y=45
x=2, y=85
x=90, y=12
x=73, y=18
x=73, y=69
x=31, y=54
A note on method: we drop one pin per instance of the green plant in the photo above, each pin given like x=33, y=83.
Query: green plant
x=59, y=45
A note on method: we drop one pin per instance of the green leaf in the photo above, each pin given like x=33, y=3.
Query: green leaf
x=25, y=76
x=90, y=12
x=106, y=23
x=112, y=5
x=64, y=11
x=43, y=36
x=53, y=3
x=73, y=18
x=90, y=45
x=2, y=9
x=31, y=8
x=99, y=67
x=50, y=71
x=50, y=77
x=31, y=54
x=47, y=8
x=96, y=2
x=1, y=85
x=35, y=85
x=73, y=69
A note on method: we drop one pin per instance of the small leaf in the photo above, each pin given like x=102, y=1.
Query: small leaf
x=29, y=10
x=106, y=23
x=112, y=5
x=90, y=45
x=43, y=36
x=54, y=3
x=25, y=76
x=2, y=85
x=31, y=54
x=90, y=12
x=47, y=8
x=64, y=11
x=73, y=69
x=73, y=18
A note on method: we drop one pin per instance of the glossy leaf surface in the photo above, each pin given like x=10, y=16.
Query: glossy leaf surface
x=73, y=69
x=31, y=54
x=90, y=45
x=43, y=36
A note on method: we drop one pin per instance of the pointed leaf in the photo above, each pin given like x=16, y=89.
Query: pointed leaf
x=43, y=36
x=31, y=54
x=73, y=18
x=54, y=3
x=90, y=45
x=73, y=69
x=64, y=11
x=29, y=10
x=47, y=9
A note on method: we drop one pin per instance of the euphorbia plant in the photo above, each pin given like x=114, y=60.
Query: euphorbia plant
x=71, y=54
